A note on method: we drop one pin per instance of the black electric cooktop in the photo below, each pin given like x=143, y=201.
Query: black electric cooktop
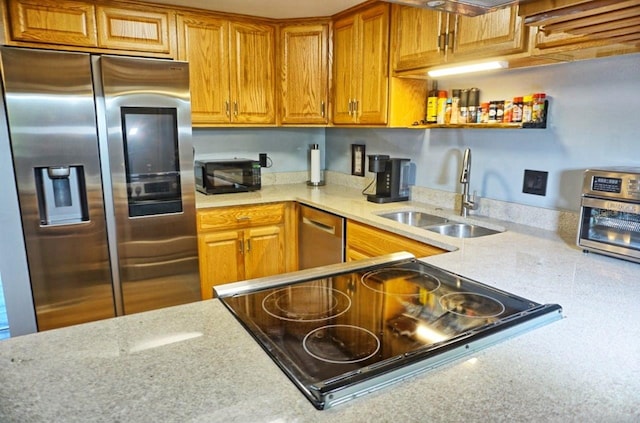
x=344, y=330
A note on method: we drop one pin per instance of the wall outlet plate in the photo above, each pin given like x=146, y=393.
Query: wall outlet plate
x=535, y=182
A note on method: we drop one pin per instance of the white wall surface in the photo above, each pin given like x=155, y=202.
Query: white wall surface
x=594, y=119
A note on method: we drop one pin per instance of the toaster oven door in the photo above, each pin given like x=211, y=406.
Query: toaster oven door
x=610, y=227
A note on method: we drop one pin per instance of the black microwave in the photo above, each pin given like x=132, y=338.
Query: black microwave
x=225, y=176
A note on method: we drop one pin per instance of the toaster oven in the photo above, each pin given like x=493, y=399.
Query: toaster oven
x=226, y=176
x=610, y=212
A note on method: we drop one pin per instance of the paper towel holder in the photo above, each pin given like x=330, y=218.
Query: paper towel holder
x=315, y=172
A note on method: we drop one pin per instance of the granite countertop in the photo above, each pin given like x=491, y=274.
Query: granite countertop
x=195, y=363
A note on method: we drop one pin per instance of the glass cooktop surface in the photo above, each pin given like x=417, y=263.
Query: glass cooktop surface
x=333, y=333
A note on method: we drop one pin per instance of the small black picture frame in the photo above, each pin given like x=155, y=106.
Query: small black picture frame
x=357, y=159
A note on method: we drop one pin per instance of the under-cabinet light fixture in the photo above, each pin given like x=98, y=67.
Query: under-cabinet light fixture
x=476, y=67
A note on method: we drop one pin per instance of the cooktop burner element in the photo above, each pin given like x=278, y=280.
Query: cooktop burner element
x=343, y=330
x=469, y=304
x=341, y=344
x=387, y=275
x=306, y=303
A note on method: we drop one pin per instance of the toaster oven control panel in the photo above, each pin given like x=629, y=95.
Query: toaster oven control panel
x=612, y=184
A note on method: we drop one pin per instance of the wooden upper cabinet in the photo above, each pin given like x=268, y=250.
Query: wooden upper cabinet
x=423, y=38
x=416, y=37
x=361, y=57
x=231, y=69
x=345, y=83
x=138, y=29
x=498, y=33
x=374, y=66
x=71, y=23
x=252, y=73
x=304, y=73
x=204, y=43
x=92, y=25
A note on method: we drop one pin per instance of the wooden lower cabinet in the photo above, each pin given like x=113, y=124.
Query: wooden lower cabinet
x=365, y=241
x=245, y=242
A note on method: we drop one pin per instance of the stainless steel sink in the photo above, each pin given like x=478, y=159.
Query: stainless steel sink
x=415, y=218
x=462, y=230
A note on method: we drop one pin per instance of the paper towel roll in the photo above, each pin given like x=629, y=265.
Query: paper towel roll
x=315, y=176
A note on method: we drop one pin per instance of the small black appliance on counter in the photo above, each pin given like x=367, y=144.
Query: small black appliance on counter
x=391, y=179
x=226, y=176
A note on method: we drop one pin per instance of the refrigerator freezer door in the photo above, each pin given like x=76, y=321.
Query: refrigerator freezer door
x=52, y=123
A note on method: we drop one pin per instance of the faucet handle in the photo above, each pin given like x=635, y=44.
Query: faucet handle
x=474, y=200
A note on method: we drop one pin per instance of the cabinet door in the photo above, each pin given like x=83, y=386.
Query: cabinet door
x=65, y=22
x=345, y=80
x=304, y=68
x=252, y=73
x=496, y=33
x=138, y=29
x=264, y=251
x=417, y=41
x=371, y=107
x=204, y=43
x=221, y=259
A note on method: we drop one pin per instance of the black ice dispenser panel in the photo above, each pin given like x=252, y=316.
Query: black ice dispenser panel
x=62, y=197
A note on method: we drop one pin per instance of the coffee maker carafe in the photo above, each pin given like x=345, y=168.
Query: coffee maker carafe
x=391, y=179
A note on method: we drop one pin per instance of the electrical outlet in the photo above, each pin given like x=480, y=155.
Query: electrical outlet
x=263, y=159
x=535, y=182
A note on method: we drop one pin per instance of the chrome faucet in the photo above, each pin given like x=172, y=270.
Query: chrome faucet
x=468, y=202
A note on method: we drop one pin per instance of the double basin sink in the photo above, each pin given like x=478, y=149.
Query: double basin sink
x=438, y=224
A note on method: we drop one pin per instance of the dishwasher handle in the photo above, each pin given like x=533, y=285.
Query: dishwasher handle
x=331, y=229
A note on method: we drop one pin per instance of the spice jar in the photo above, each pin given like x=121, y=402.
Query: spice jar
x=516, y=111
x=493, y=107
x=484, y=113
x=455, y=106
x=499, y=111
x=537, y=108
x=442, y=106
x=527, y=108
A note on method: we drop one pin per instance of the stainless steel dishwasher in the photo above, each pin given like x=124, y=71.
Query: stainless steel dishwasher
x=320, y=238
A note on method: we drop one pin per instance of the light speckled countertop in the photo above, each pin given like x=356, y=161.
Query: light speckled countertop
x=195, y=363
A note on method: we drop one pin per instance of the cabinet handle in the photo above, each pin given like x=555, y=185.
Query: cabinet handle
x=241, y=246
x=350, y=107
x=227, y=108
x=451, y=36
x=235, y=108
x=322, y=108
x=242, y=218
x=355, y=107
x=248, y=245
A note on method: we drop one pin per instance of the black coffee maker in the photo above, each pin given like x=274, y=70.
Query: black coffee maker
x=391, y=178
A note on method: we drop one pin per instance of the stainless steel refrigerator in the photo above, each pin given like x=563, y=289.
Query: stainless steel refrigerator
x=103, y=164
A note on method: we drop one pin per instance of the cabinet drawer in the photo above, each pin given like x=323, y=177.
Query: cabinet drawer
x=240, y=217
